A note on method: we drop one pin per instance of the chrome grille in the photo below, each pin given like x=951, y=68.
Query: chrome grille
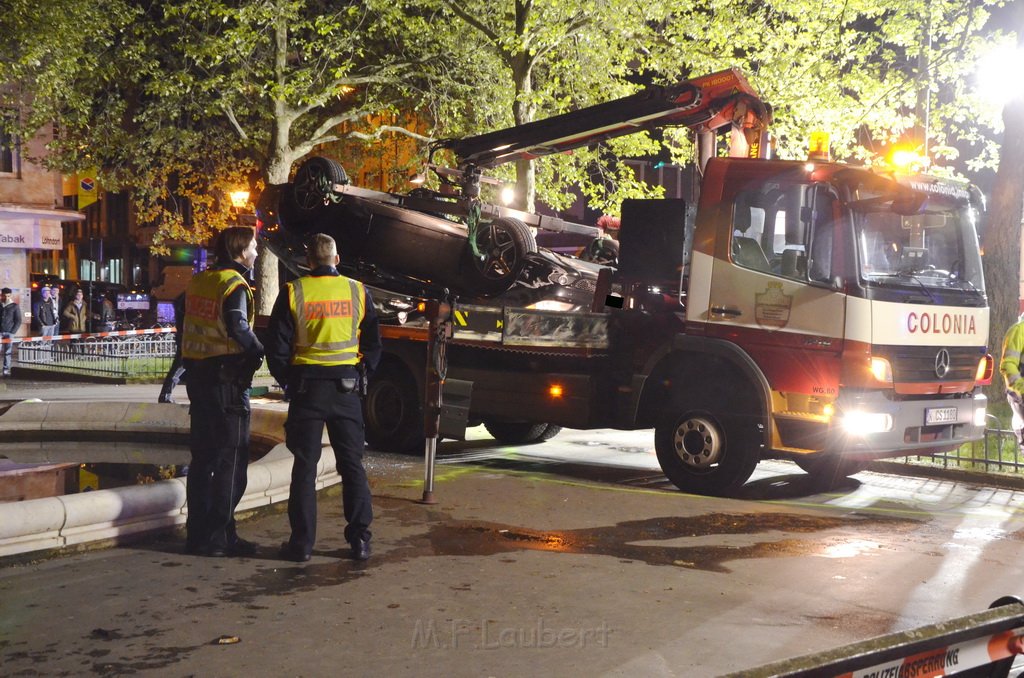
x=917, y=363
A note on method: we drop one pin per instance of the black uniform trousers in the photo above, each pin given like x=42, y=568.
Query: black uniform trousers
x=219, y=442
x=314, y=403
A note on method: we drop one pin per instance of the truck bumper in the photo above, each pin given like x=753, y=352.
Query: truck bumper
x=872, y=425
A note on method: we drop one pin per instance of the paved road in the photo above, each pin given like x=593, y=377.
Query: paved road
x=571, y=558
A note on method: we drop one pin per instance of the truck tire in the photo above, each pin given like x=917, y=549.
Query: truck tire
x=706, y=453
x=392, y=412
x=504, y=243
x=311, y=188
x=521, y=433
x=828, y=470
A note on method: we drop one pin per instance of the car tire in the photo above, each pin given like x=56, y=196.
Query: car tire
x=312, y=188
x=392, y=411
x=505, y=243
x=521, y=433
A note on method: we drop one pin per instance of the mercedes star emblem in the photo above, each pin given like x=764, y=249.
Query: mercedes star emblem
x=941, y=363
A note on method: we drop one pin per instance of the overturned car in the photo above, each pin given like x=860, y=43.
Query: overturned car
x=424, y=243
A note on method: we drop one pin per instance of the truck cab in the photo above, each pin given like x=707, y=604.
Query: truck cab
x=836, y=315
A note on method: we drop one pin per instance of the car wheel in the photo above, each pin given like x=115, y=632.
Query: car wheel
x=392, y=412
x=313, y=186
x=521, y=433
x=705, y=453
x=503, y=244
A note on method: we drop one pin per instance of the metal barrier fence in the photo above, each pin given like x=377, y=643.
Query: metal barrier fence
x=125, y=353
x=998, y=452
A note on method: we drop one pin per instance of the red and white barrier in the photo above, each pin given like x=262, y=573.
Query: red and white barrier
x=113, y=333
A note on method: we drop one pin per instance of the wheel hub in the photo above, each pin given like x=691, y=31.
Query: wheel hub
x=698, y=442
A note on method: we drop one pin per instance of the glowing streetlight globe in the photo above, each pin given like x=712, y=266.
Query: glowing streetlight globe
x=999, y=71
x=239, y=199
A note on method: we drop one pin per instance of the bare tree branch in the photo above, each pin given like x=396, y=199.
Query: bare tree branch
x=390, y=128
x=234, y=122
x=475, y=23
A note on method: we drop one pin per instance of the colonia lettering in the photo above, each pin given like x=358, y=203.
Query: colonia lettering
x=941, y=323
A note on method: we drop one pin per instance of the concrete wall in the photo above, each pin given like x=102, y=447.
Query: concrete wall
x=59, y=522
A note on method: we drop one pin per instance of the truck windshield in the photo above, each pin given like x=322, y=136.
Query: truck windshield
x=920, y=234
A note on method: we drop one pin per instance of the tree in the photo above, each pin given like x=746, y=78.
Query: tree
x=201, y=93
x=538, y=58
x=871, y=73
x=1002, y=234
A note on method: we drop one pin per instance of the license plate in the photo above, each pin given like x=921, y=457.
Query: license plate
x=940, y=415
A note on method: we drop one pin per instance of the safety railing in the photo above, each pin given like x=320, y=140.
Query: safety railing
x=135, y=354
x=122, y=353
x=997, y=452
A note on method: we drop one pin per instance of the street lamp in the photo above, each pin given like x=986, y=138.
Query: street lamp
x=999, y=70
x=239, y=199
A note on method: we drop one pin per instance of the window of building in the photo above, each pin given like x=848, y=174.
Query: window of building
x=9, y=160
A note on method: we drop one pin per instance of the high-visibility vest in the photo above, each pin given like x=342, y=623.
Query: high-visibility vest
x=327, y=311
x=204, y=334
x=1010, y=364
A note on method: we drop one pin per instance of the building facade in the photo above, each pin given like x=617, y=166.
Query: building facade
x=31, y=215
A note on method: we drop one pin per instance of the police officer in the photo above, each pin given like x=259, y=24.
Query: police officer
x=221, y=353
x=322, y=326
x=1010, y=368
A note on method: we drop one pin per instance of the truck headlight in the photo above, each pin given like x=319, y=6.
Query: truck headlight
x=860, y=423
x=980, y=414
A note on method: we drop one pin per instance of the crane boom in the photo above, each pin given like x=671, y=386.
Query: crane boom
x=703, y=104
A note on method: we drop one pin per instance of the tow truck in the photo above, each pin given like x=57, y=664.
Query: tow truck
x=807, y=310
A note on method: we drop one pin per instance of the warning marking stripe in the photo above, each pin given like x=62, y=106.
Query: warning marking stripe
x=944, y=661
x=112, y=333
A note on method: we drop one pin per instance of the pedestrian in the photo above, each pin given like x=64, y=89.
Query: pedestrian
x=108, y=314
x=55, y=301
x=76, y=313
x=10, y=323
x=46, y=313
x=1010, y=368
x=220, y=353
x=322, y=342
x=75, y=316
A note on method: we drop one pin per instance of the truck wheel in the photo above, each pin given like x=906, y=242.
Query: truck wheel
x=706, y=454
x=314, y=182
x=504, y=244
x=521, y=433
x=827, y=471
x=392, y=411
